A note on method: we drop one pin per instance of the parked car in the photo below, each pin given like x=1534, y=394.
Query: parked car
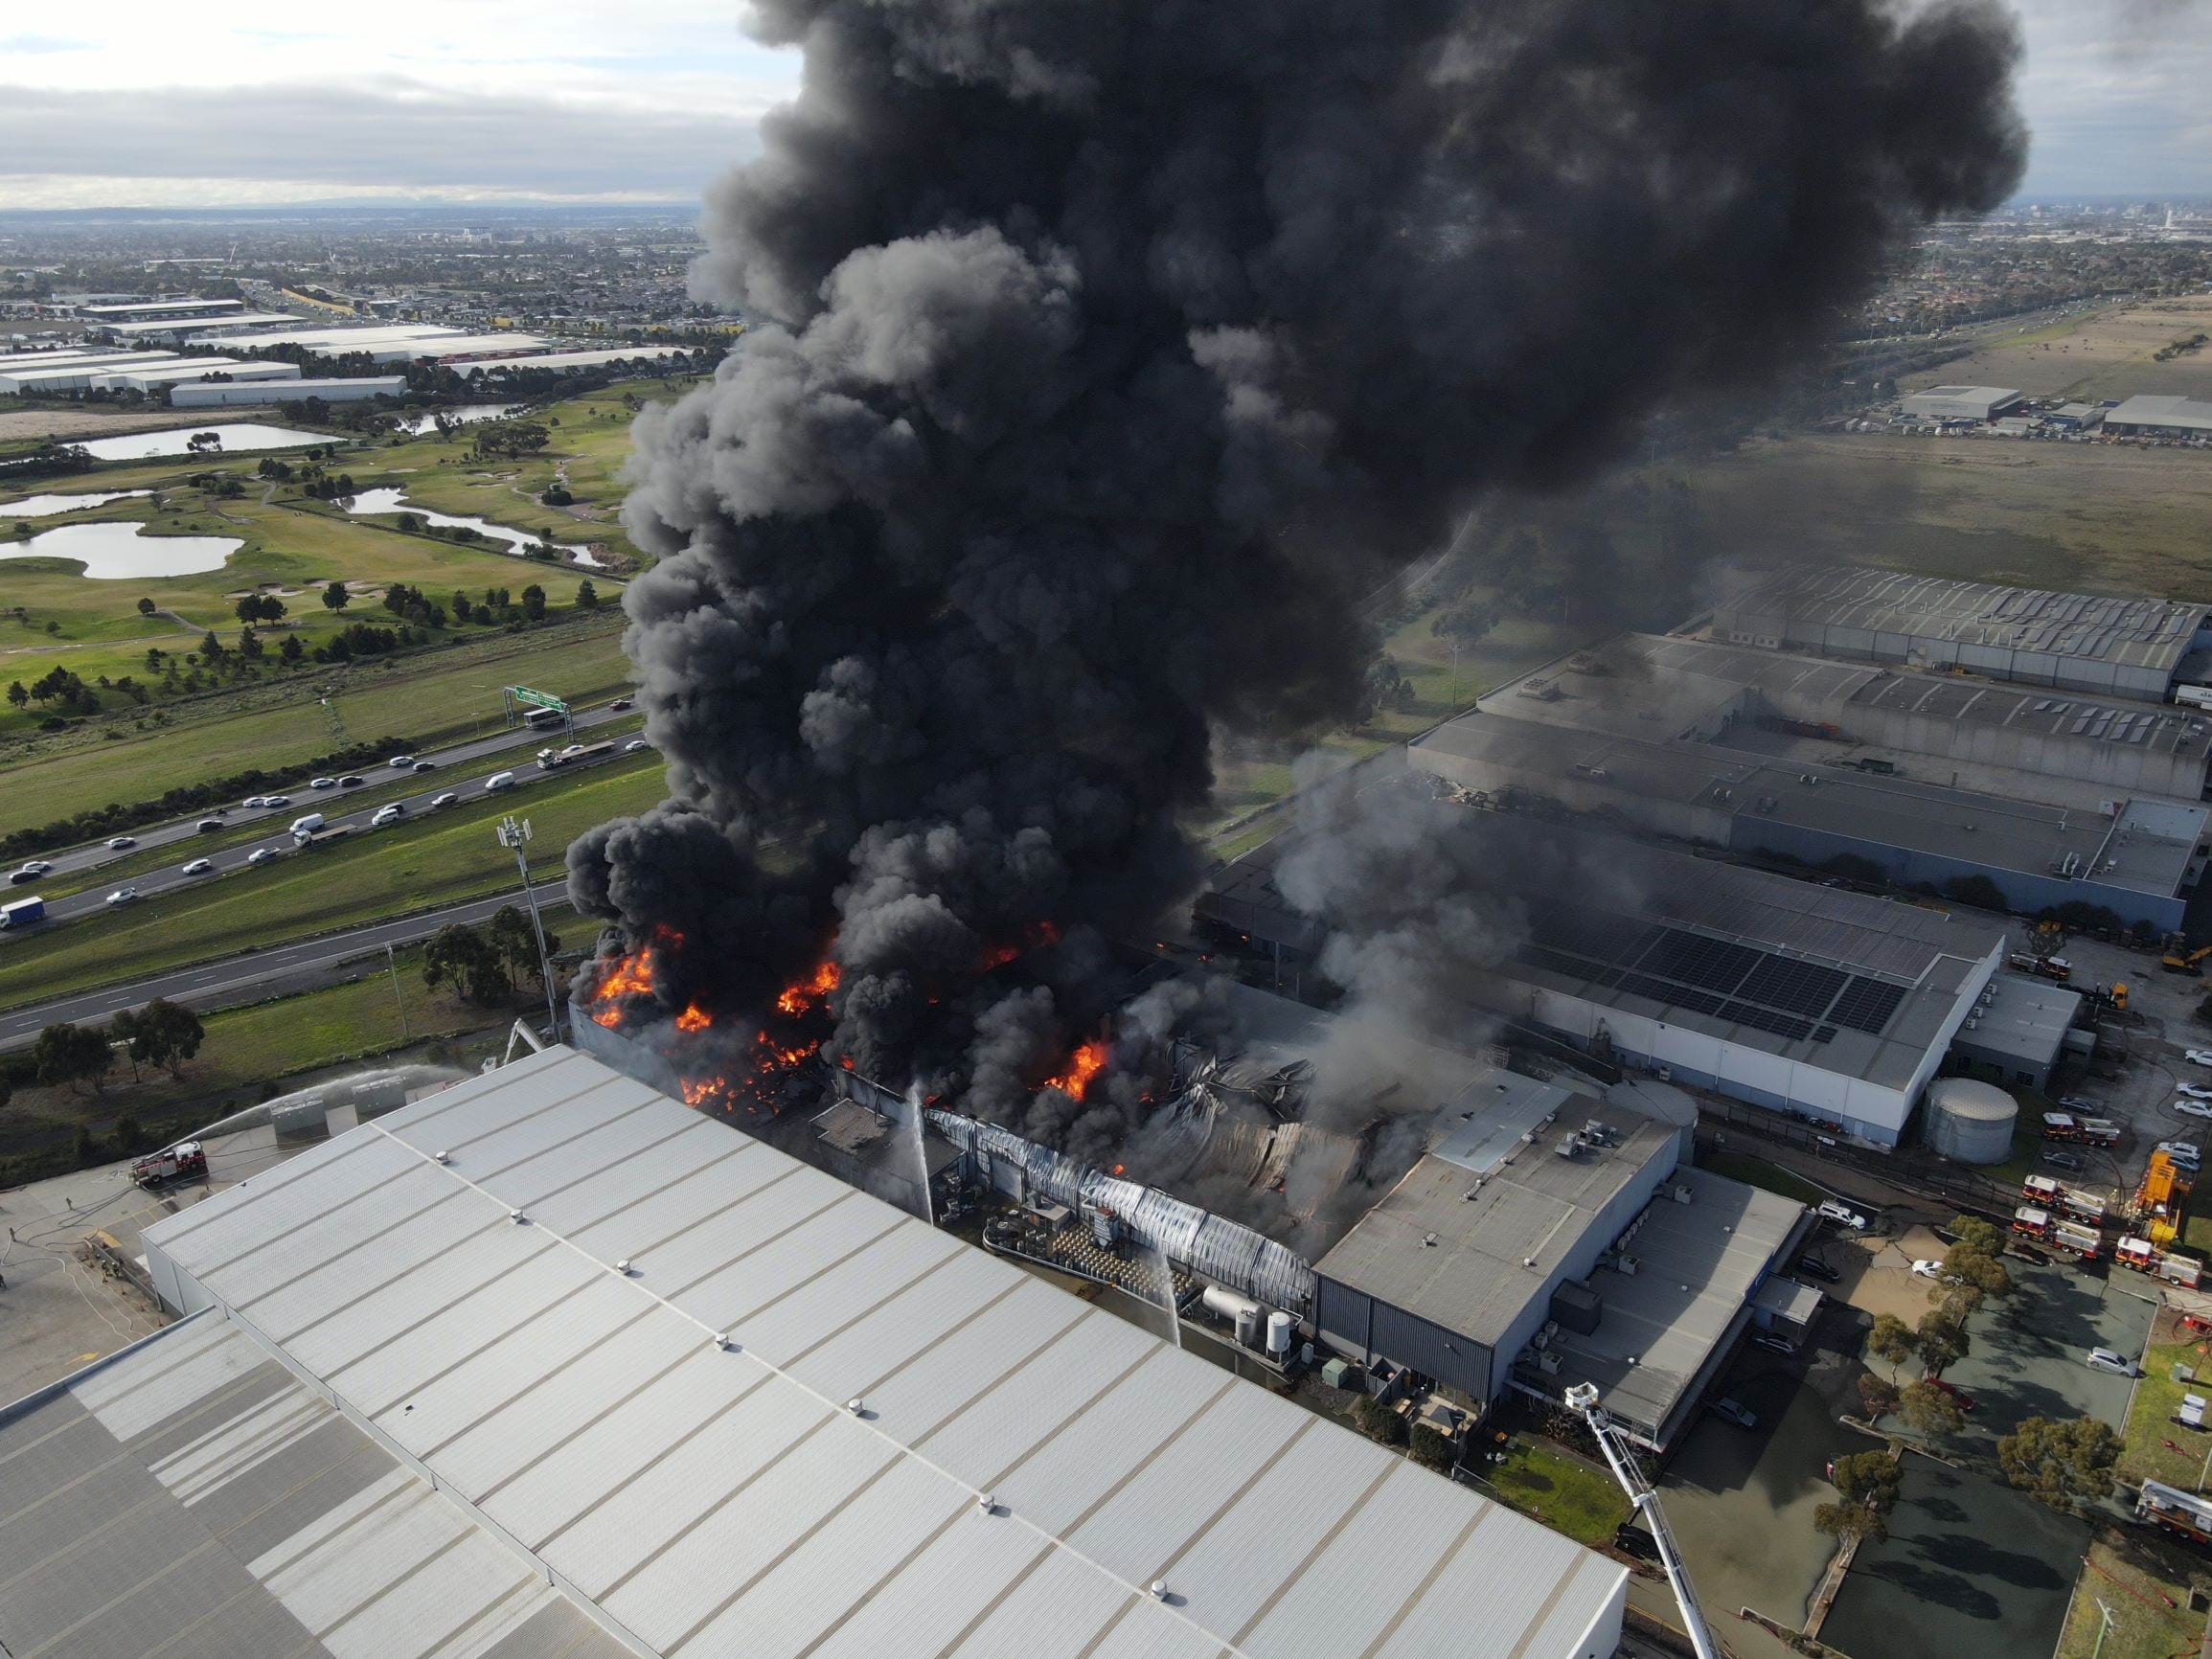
x=1813, y=1267
x=634, y=745
x=2193, y=1108
x=120, y=842
x=391, y=814
x=445, y=800
x=124, y=895
x=2195, y=1091
x=197, y=866
x=1734, y=1411
x=1842, y=1214
x=209, y=825
x=1966, y=1400
x=2060, y=1159
x=351, y=781
x=2202, y=1057
x=1773, y=1344
x=261, y=855
x=2076, y=1103
x=2109, y=1359
x=322, y=784
x=2186, y=1153
x=1928, y=1269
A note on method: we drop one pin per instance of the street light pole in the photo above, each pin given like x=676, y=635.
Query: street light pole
x=514, y=832
x=392, y=961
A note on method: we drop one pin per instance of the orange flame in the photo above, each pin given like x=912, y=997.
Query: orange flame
x=804, y=994
x=1088, y=1061
x=636, y=974
x=693, y=1018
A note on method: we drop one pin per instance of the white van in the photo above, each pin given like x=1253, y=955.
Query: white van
x=305, y=824
x=500, y=781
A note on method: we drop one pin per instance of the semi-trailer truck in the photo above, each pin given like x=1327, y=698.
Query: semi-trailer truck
x=23, y=912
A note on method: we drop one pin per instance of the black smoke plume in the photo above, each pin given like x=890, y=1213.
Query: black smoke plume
x=1103, y=355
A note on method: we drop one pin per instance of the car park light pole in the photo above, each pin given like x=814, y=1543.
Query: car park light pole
x=514, y=832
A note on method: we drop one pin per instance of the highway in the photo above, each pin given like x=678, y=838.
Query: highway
x=261, y=974
x=90, y=856
x=280, y=843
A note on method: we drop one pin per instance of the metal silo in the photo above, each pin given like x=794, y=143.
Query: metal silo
x=1970, y=1121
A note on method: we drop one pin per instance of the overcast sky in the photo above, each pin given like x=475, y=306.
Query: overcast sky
x=149, y=102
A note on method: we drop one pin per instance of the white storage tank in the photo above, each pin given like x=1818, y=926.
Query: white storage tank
x=1970, y=1121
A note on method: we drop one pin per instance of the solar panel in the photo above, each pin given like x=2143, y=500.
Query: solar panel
x=1866, y=1004
x=1803, y=988
x=1782, y=1025
x=1710, y=964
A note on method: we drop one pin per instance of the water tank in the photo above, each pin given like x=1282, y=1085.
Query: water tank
x=1970, y=1121
x=1247, y=1328
x=1280, y=1326
x=1220, y=1299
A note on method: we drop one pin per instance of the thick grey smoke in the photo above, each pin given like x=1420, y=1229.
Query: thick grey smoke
x=1102, y=355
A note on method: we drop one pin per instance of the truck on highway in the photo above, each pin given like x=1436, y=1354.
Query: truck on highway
x=23, y=912
x=548, y=759
x=305, y=825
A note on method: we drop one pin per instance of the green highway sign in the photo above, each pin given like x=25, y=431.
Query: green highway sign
x=538, y=699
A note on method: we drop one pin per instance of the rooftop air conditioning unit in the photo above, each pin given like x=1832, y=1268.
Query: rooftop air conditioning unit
x=1629, y=1267
x=1548, y=1363
x=1683, y=1196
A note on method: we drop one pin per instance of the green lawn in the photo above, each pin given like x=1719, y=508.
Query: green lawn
x=1566, y=1494
x=2150, y=1415
x=409, y=867
x=1758, y=1172
x=2132, y=1573
x=438, y=697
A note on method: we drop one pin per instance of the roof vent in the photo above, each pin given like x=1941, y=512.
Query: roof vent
x=1160, y=1587
x=987, y=1504
x=722, y=1340
x=1528, y=1261
x=516, y=1216
x=442, y=1157
x=623, y=1267
x=1429, y=1241
x=857, y=1406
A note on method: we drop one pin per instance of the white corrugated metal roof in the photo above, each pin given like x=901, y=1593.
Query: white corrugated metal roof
x=712, y=1500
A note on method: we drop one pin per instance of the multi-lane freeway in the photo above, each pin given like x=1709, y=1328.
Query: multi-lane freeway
x=437, y=792
x=264, y=973
x=184, y=831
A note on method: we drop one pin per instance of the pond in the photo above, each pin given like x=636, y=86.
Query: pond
x=239, y=435
x=47, y=506
x=461, y=414
x=122, y=551
x=390, y=499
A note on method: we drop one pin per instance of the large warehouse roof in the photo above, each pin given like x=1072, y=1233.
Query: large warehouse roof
x=192, y=1498
x=526, y=1285
x=2161, y=412
x=2134, y=632
x=566, y=360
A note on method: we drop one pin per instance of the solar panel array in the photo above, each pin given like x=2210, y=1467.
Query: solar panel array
x=1722, y=978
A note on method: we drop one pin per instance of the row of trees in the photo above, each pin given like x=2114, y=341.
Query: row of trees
x=485, y=967
x=162, y=1033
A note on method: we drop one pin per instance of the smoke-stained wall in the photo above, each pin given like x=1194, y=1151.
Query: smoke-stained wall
x=1104, y=357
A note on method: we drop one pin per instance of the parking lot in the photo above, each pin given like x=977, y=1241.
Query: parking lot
x=2026, y=1354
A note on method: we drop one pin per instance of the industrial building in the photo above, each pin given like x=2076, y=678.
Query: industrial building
x=2136, y=858
x=175, y=329
x=549, y=1363
x=2019, y=1031
x=567, y=360
x=2161, y=415
x=337, y=338
x=141, y=310
x=1830, y=1006
x=216, y=395
x=1961, y=403
x=156, y=377
x=1556, y=1238
x=461, y=347
x=2120, y=647
x=84, y=373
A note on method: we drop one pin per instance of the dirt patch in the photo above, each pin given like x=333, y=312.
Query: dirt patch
x=18, y=424
x=1878, y=1276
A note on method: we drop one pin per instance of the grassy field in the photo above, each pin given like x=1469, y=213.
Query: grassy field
x=2134, y=1575
x=2151, y=1414
x=1758, y=1172
x=1566, y=1494
x=440, y=696
x=2104, y=352
x=2058, y=515
x=409, y=867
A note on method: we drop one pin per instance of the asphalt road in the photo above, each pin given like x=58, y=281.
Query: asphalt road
x=266, y=974
x=93, y=853
x=436, y=786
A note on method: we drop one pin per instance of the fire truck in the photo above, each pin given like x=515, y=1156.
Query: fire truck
x=186, y=1161
x=2145, y=1257
x=2042, y=1190
x=2076, y=1239
x=2177, y=1511
x=2086, y=1207
x=2030, y=1223
x=2095, y=1132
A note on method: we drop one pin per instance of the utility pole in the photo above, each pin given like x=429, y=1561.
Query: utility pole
x=2104, y=1629
x=514, y=832
x=392, y=961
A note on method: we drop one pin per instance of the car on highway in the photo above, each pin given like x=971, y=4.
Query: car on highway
x=31, y=872
x=197, y=866
x=1842, y=1214
x=391, y=814
x=2061, y=1160
x=255, y=800
x=120, y=842
x=261, y=855
x=1928, y=1270
x=2109, y=1359
x=2193, y=1108
x=445, y=800
x=634, y=745
x=278, y=801
x=209, y=825
x=621, y=705
x=351, y=781
x=499, y=781
x=322, y=782
x=400, y=763
x=124, y=895
x=2193, y=1091
x=425, y=765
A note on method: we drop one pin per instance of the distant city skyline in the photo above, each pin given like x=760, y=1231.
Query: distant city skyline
x=146, y=104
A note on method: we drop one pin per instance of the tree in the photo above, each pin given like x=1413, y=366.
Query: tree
x=460, y=955
x=1433, y=1448
x=1378, y=1422
x=515, y=941
x=1890, y=1341
x=2064, y=1464
x=210, y=648
x=1928, y=1409
x=587, y=595
x=146, y=607
x=335, y=596
x=534, y=603
x=1878, y=1393
x=203, y=443
x=16, y=694
x=1942, y=1341
x=461, y=606
x=67, y=1054
x=1865, y=1492
x=161, y=1033
x=291, y=650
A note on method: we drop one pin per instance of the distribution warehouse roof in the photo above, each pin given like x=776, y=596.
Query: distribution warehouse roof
x=2163, y=411
x=331, y=338
x=568, y=360
x=525, y=1285
x=2134, y=632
